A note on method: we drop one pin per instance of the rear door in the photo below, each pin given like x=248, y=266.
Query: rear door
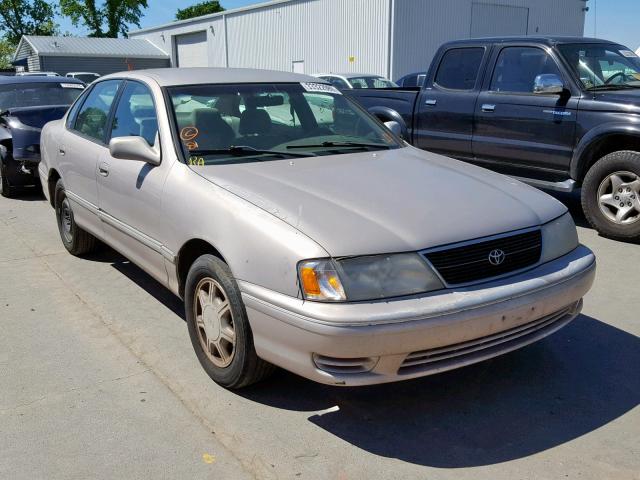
x=445, y=107
x=518, y=130
x=82, y=145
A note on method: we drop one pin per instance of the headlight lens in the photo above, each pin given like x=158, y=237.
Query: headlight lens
x=559, y=237
x=367, y=278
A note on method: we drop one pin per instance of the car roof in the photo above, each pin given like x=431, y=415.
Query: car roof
x=549, y=40
x=211, y=75
x=83, y=73
x=37, y=79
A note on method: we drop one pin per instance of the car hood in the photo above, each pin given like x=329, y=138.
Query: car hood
x=625, y=101
x=389, y=201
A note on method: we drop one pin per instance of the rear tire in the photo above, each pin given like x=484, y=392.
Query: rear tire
x=76, y=240
x=611, y=195
x=218, y=326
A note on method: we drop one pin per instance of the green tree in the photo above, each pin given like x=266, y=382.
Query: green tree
x=199, y=9
x=109, y=19
x=26, y=17
x=7, y=49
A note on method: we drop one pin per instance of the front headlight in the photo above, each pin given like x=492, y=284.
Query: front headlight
x=559, y=237
x=367, y=278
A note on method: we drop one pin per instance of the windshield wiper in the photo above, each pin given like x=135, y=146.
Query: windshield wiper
x=342, y=144
x=246, y=151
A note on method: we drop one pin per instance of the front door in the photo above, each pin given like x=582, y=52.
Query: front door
x=517, y=130
x=130, y=191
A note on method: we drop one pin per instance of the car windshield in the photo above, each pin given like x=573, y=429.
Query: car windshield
x=371, y=82
x=254, y=122
x=34, y=94
x=603, y=66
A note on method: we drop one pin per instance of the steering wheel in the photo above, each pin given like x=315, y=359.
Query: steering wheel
x=615, y=75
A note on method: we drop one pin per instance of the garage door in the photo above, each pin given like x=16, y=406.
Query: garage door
x=191, y=50
x=490, y=20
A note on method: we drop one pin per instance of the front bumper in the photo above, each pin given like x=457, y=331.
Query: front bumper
x=378, y=342
x=22, y=171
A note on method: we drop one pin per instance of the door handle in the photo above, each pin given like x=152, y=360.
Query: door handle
x=61, y=151
x=488, y=107
x=431, y=102
x=103, y=169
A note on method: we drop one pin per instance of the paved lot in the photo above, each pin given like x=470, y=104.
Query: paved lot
x=98, y=380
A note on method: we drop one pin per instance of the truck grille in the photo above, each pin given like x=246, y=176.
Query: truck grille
x=471, y=263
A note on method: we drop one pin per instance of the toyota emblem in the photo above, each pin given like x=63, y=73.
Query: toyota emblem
x=496, y=257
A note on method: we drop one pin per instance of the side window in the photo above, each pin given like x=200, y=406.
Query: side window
x=337, y=82
x=73, y=111
x=135, y=114
x=518, y=67
x=93, y=115
x=459, y=67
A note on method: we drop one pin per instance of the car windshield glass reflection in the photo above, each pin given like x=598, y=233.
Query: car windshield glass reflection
x=603, y=66
x=240, y=123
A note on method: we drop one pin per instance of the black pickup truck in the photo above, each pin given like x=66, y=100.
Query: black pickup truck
x=559, y=113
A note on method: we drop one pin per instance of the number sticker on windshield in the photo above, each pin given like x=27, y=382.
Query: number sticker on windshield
x=628, y=53
x=320, y=88
x=72, y=85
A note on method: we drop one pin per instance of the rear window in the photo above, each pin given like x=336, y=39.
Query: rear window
x=459, y=68
x=38, y=94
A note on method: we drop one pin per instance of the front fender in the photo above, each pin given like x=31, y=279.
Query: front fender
x=581, y=153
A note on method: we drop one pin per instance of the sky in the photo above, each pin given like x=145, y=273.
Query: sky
x=615, y=20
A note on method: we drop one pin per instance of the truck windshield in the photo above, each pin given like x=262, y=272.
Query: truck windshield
x=254, y=122
x=601, y=66
x=34, y=94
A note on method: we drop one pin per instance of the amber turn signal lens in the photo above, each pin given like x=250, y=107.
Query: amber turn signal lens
x=309, y=281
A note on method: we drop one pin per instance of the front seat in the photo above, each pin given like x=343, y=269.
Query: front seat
x=213, y=132
x=255, y=126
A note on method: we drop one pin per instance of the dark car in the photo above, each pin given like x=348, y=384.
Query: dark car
x=559, y=113
x=26, y=104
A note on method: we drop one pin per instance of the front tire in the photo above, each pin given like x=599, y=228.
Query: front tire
x=76, y=240
x=218, y=325
x=6, y=190
x=611, y=195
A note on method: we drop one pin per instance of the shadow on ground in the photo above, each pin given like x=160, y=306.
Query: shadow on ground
x=511, y=407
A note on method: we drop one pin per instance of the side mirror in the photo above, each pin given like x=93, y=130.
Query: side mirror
x=395, y=127
x=548, y=84
x=134, y=148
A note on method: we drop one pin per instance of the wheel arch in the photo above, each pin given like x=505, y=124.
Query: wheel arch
x=602, y=141
x=189, y=253
x=52, y=180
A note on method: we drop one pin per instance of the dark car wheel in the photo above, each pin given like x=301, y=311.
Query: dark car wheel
x=218, y=325
x=6, y=190
x=76, y=240
x=611, y=195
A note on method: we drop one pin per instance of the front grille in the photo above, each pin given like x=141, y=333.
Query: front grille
x=484, y=347
x=470, y=263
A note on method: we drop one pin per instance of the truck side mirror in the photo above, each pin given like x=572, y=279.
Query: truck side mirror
x=548, y=84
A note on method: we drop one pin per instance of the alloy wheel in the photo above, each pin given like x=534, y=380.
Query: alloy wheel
x=619, y=197
x=214, y=322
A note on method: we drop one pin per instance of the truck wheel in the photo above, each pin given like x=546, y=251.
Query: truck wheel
x=6, y=190
x=76, y=240
x=611, y=195
x=218, y=325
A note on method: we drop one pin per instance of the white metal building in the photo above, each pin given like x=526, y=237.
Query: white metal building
x=387, y=37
